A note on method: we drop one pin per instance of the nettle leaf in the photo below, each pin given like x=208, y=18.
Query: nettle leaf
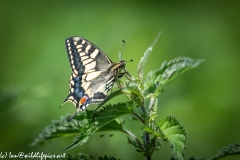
x=110, y=112
x=143, y=60
x=60, y=128
x=175, y=134
x=157, y=79
x=115, y=125
x=112, y=95
x=103, y=117
x=233, y=149
x=84, y=125
x=133, y=92
x=153, y=129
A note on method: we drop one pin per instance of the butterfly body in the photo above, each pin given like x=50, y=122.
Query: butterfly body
x=93, y=73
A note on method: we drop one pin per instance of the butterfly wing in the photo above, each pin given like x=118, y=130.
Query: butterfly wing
x=93, y=73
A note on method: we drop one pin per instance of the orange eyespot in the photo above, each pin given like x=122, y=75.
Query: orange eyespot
x=83, y=100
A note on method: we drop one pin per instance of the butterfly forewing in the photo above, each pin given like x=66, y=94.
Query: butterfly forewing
x=93, y=73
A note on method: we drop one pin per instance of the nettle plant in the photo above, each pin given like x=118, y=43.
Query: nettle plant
x=142, y=106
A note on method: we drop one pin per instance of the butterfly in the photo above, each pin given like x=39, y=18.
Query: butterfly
x=93, y=73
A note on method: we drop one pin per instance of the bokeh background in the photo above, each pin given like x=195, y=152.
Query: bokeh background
x=35, y=71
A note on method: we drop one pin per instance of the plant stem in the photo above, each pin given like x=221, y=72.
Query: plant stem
x=139, y=117
x=147, y=139
x=134, y=137
x=145, y=134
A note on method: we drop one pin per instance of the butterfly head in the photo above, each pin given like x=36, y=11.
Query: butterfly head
x=122, y=63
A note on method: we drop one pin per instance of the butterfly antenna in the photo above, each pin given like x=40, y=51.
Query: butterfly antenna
x=120, y=54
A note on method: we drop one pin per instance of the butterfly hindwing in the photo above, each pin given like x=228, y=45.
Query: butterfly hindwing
x=93, y=73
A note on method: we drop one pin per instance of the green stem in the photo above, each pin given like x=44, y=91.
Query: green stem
x=147, y=139
x=139, y=117
x=134, y=137
x=145, y=134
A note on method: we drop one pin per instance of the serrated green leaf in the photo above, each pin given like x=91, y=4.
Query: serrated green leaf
x=233, y=149
x=112, y=95
x=133, y=92
x=158, y=79
x=60, y=128
x=102, y=118
x=143, y=60
x=153, y=129
x=110, y=112
x=116, y=125
x=175, y=134
x=84, y=126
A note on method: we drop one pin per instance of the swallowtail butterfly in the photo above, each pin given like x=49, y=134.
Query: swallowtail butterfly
x=93, y=73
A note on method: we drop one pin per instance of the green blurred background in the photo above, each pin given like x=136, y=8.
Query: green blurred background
x=35, y=70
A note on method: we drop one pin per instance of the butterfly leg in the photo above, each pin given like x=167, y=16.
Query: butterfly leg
x=126, y=74
x=70, y=118
x=121, y=75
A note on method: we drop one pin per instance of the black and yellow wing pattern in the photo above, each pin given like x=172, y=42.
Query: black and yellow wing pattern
x=93, y=73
